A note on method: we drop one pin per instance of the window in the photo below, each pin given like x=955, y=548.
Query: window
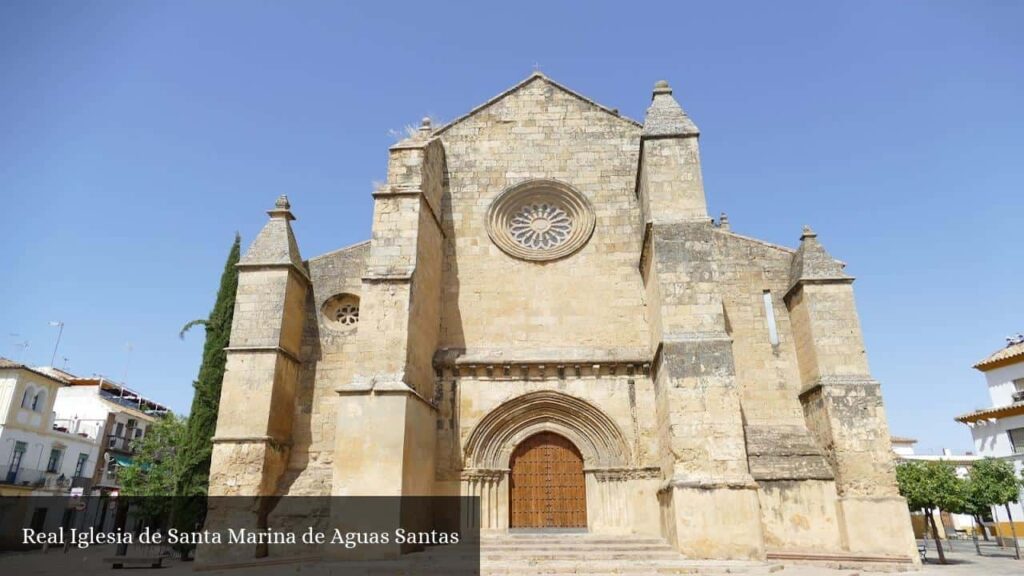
x=80, y=465
x=53, y=464
x=28, y=398
x=769, y=314
x=19, y=451
x=15, y=465
x=342, y=311
x=1018, y=390
x=39, y=401
x=119, y=431
x=1016, y=440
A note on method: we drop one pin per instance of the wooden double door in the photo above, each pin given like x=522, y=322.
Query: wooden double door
x=547, y=488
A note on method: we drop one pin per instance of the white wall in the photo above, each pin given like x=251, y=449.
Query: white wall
x=38, y=447
x=1000, y=383
x=8, y=382
x=35, y=429
x=83, y=403
x=991, y=440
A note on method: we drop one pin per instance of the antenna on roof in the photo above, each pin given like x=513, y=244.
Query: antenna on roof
x=60, y=332
x=127, y=362
x=24, y=345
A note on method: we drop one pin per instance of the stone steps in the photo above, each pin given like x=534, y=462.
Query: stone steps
x=594, y=555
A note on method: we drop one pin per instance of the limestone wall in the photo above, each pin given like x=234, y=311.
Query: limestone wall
x=593, y=298
x=327, y=353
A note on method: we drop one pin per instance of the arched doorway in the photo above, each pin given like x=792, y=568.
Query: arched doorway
x=547, y=488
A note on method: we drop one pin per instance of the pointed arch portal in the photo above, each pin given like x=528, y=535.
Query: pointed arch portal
x=598, y=439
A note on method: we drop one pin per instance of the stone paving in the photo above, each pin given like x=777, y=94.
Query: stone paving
x=963, y=561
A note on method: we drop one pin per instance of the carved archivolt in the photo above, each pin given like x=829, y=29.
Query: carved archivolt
x=540, y=220
x=597, y=437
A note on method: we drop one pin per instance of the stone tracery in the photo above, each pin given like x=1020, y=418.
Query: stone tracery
x=540, y=220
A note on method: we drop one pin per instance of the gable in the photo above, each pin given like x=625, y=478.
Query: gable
x=536, y=77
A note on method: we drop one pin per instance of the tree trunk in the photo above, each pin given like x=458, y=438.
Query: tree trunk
x=1013, y=531
x=974, y=533
x=981, y=524
x=935, y=536
x=120, y=522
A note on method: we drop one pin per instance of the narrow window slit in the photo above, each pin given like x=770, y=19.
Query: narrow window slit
x=769, y=314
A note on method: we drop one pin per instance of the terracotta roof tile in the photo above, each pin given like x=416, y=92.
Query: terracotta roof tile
x=1010, y=355
x=1015, y=409
x=8, y=363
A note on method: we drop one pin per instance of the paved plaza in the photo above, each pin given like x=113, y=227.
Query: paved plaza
x=963, y=561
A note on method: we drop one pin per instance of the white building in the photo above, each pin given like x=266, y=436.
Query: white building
x=998, y=431
x=38, y=455
x=117, y=414
x=946, y=523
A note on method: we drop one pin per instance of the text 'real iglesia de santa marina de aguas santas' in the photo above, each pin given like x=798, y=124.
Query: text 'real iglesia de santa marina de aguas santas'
x=546, y=317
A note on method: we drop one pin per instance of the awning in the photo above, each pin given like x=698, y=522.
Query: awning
x=124, y=461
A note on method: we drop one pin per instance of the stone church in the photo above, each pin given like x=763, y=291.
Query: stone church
x=545, y=316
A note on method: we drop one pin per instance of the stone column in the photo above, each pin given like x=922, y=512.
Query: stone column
x=386, y=432
x=842, y=404
x=491, y=487
x=254, y=424
x=710, y=498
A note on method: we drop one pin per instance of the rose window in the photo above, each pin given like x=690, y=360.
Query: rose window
x=540, y=220
x=341, y=312
x=540, y=226
x=347, y=315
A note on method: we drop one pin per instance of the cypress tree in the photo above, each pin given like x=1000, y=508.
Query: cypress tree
x=202, y=421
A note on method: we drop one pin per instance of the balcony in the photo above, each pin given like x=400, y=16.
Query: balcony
x=108, y=479
x=120, y=443
x=35, y=479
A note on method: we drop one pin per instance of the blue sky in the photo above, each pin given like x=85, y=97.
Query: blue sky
x=137, y=137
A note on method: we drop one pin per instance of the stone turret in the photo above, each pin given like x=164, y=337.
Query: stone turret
x=842, y=402
x=670, y=184
x=257, y=402
x=703, y=454
x=386, y=417
x=812, y=263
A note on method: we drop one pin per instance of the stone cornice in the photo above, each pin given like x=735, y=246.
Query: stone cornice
x=836, y=381
x=264, y=350
x=382, y=388
x=541, y=364
x=269, y=440
x=729, y=483
x=623, y=474
x=487, y=474
x=292, y=268
x=524, y=371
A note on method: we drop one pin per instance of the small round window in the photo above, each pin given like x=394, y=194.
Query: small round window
x=342, y=311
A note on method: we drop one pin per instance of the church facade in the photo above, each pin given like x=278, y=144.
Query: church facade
x=545, y=316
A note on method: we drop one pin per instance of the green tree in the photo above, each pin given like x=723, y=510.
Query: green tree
x=995, y=484
x=977, y=505
x=932, y=486
x=155, y=469
x=197, y=448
